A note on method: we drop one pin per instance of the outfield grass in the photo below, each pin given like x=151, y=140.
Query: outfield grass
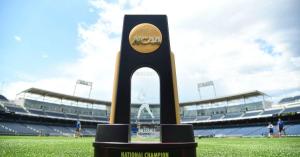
x=19, y=146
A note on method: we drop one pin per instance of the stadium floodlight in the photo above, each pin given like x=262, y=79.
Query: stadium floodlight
x=85, y=83
x=206, y=84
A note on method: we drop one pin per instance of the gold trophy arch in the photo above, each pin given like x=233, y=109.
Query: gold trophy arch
x=145, y=38
x=145, y=43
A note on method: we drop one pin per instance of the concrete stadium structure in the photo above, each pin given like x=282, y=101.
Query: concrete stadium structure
x=42, y=112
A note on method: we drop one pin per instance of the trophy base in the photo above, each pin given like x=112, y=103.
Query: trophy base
x=118, y=149
x=113, y=140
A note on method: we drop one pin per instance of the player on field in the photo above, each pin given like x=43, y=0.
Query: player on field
x=271, y=129
x=78, y=128
x=280, y=125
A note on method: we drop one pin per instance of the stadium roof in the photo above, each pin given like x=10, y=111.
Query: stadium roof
x=226, y=98
x=3, y=98
x=43, y=92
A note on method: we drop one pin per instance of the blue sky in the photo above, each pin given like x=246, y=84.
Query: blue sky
x=239, y=45
x=36, y=36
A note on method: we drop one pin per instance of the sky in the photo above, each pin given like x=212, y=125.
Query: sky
x=239, y=45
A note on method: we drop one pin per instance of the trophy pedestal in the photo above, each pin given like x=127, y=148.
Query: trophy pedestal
x=112, y=141
x=118, y=149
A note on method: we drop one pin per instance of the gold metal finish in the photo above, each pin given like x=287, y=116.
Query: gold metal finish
x=145, y=38
x=114, y=96
x=175, y=90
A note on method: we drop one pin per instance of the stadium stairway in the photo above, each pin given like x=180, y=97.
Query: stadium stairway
x=5, y=130
x=34, y=130
x=9, y=128
x=18, y=129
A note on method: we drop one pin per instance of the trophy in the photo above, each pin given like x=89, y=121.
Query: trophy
x=145, y=43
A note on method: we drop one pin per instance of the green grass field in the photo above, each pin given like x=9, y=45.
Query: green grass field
x=20, y=146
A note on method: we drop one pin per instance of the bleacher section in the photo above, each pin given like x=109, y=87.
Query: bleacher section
x=63, y=111
x=271, y=111
x=54, y=114
x=293, y=130
x=12, y=107
x=290, y=99
x=216, y=116
x=244, y=108
x=188, y=116
x=233, y=115
x=252, y=113
x=201, y=118
x=37, y=112
x=60, y=108
x=15, y=109
x=18, y=129
x=9, y=128
x=292, y=109
x=290, y=130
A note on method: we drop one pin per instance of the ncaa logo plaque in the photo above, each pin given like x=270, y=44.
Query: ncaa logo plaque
x=145, y=43
x=145, y=38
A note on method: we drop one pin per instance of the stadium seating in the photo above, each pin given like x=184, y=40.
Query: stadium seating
x=200, y=118
x=297, y=98
x=54, y=114
x=271, y=112
x=43, y=130
x=216, y=116
x=72, y=116
x=15, y=109
x=18, y=129
x=286, y=100
x=4, y=130
x=11, y=107
x=290, y=99
x=290, y=130
x=188, y=119
x=292, y=109
x=61, y=108
x=253, y=113
x=293, y=130
x=189, y=115
x=233, y=115
x=85, y=117
x=36, y=111
x=101, y=118
x=12, y=128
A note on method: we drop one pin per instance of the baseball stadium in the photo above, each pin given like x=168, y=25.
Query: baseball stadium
x=193, y=78
x=42, y=123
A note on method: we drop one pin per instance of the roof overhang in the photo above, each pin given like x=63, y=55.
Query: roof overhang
x=47, y=93
x=225, y=98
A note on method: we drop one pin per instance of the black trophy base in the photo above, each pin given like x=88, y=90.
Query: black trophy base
x=118, y=149
x=112, y=140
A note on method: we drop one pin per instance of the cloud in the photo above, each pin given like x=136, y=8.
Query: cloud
x=18, y=38
x=45, y=56
x=240, y=45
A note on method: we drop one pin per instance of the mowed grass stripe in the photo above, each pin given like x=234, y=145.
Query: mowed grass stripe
x=21, y=146
x=45, y=147
x=252, y=147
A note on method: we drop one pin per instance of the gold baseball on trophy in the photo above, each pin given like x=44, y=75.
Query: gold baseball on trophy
x=145, y=38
